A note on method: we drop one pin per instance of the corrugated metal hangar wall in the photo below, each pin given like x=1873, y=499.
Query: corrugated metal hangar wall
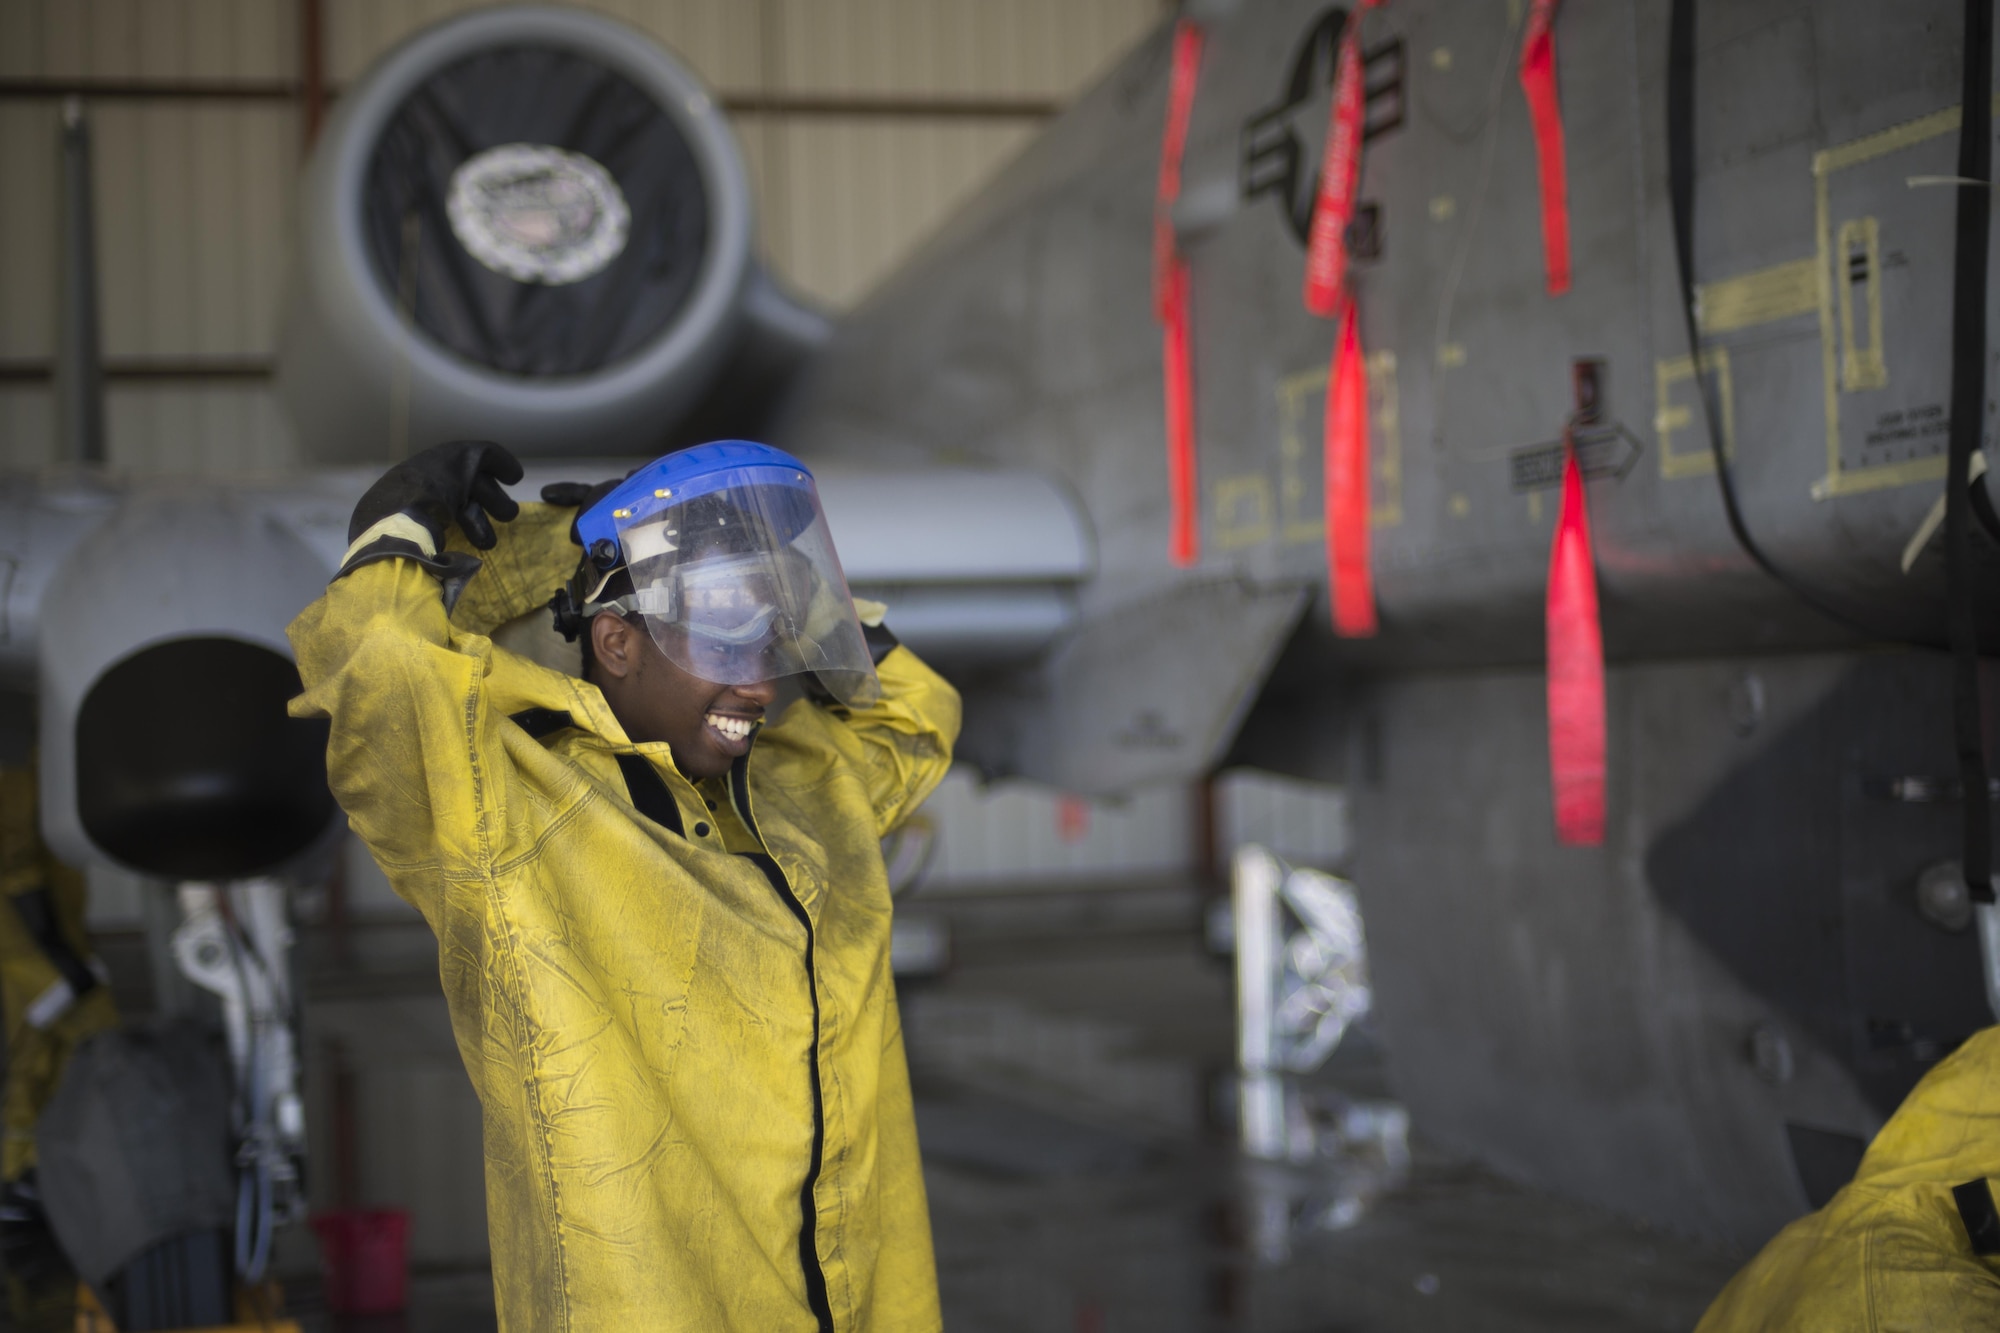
x=865, y=122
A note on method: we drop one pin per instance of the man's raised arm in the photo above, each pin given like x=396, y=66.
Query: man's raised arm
x=412, y=749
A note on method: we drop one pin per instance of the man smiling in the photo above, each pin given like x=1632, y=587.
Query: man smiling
x=658, y=892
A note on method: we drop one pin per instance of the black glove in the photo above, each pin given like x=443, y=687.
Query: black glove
x=580, y=494
x=456, y=482
x=460, y=480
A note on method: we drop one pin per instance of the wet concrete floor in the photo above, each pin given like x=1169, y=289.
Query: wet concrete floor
x=1140, y=1215
x=1075, y=1105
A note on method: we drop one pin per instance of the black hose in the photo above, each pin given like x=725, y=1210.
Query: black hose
x=1982, y=509
x=1680, y=181
x=1968, y=415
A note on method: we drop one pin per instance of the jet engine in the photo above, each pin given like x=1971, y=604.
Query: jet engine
x=530, y=224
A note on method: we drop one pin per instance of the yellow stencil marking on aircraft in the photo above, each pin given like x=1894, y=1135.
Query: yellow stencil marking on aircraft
x=1669, y=416
x=1803, y=286
x=1301, y=516
x=1758, y=297
x=1861, y=367
x=1385, y=410
x=1906, y=473
x=1293, y=513
x=1840, y=157
x=1297, y=522
x=1242, y=511
x=1883, y=142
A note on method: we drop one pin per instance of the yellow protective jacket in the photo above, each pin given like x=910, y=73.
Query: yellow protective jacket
x=1890, y=1252
x=682, y=1028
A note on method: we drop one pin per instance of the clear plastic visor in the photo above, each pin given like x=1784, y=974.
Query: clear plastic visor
x=741, y=584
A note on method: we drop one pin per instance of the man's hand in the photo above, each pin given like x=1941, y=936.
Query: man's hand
x=405, y=514
x=457, y=481
x=578, y=494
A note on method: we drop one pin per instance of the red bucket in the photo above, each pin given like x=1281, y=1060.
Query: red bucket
x=364, y=1259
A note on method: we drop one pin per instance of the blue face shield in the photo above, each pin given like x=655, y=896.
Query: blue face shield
x=733, y=568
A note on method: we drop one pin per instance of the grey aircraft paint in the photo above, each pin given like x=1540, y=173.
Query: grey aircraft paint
x=1702, y=1021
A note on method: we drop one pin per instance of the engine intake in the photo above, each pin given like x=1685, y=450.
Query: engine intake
x=525, y=223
